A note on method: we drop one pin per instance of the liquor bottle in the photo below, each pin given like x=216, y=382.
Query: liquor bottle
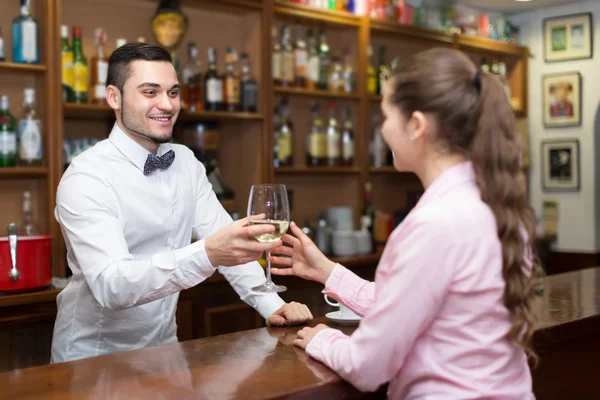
x=8, y=135
x=504, y=79
x=80, y=69
x=379, y=149
x=213, y=84
x=232, y=82
x=1, y=46
x=333, y=139
x=25, y=30
x=347, y=139
x=368, y=214
x=30, y=141
x=249, y=89
x=336, y=78
x=317, y=142
x=301, y=59
x=313, y=62
x=348, y=77
x=192, y=80
x=99, y=69
x=67, y=65
x=484, y=66
x=323, y=61
x=371, y=75
x=384, y=71
x=287, y=58
x=276, y=58
x=27, y=227
x=286, y=135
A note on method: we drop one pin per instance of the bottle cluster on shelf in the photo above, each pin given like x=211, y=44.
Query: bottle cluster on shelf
x=350, y=6
x=231, y=91
x=445, y=16
x=21, y=142
x=377, y=77
x=210, y=91
x=381, y=155
x=25, y=38
x=72, y=147
x=309, y=63
x=331, y=144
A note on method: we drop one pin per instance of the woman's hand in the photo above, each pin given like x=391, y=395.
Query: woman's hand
x=304, y=258
x=307, y=334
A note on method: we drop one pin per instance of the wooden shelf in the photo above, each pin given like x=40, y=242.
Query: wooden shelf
x=23, y=172
x=92, y=111
x=409, y=30
x=316, y=170
x=388, y=169
x=482, y=44
x=316, y=14
x=375, y=98
x=316, y=93
x=22, y=67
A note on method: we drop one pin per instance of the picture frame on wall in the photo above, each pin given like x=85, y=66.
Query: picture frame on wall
x=561, y=166
x=561, y=99
x=568, y=37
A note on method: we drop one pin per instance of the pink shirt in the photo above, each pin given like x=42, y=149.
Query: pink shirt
x=434, y=322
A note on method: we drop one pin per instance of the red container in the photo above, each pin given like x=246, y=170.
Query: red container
x=34, y=264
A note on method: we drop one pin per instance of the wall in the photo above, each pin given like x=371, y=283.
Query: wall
x=579, y=212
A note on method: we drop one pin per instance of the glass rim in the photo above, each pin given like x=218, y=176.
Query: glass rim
x=268, y=185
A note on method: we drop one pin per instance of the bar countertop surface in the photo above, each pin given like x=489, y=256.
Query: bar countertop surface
x=263, y=363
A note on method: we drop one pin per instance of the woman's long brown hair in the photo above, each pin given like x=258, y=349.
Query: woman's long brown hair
x=474, y=118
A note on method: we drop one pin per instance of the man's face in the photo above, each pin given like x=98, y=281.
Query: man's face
x=150, y=100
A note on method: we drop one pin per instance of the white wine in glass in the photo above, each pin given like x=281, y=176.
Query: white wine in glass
x=272, y=202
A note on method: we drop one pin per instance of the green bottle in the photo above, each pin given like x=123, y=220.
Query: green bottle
x=67, y=65
x=8, y=135
x=80, y=69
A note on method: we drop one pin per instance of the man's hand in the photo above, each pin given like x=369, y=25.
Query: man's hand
x=232, y=245
x=307, y=334
x=290, y=314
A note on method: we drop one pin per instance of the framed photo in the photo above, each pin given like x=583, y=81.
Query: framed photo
x=562, y=99
x=568, y=37
x=560, y=165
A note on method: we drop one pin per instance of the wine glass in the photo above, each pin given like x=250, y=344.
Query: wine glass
x=272, y=202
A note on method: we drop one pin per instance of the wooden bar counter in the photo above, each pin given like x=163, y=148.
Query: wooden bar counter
x=263, y=363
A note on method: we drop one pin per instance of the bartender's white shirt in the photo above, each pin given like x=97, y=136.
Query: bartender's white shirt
x=128, y=244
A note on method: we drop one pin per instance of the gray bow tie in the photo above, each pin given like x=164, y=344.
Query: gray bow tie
x=155, y=162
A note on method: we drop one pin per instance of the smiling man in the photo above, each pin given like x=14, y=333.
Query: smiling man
x=128, y=208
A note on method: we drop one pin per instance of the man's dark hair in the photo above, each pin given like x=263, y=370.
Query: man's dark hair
x=119, y=63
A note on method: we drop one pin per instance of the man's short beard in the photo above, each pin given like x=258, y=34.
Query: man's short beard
x=143, y=135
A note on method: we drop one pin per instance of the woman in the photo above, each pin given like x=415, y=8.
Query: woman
x=449, y=314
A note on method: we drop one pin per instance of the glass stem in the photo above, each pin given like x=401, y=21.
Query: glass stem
x=269, y=282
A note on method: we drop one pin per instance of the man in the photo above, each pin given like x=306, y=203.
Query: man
x=128, y=208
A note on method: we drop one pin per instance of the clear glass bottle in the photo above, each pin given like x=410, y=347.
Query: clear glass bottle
x=313, y=61
x=316, y=141
x=287, y=58
x=348, y=75
x=99, y=69
x=25, y=30
x=192, y=80
x=27, y=227
x=347, y=139
x=30, y=139
x=300, y=59
x=276, y=58
x=333, y=139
